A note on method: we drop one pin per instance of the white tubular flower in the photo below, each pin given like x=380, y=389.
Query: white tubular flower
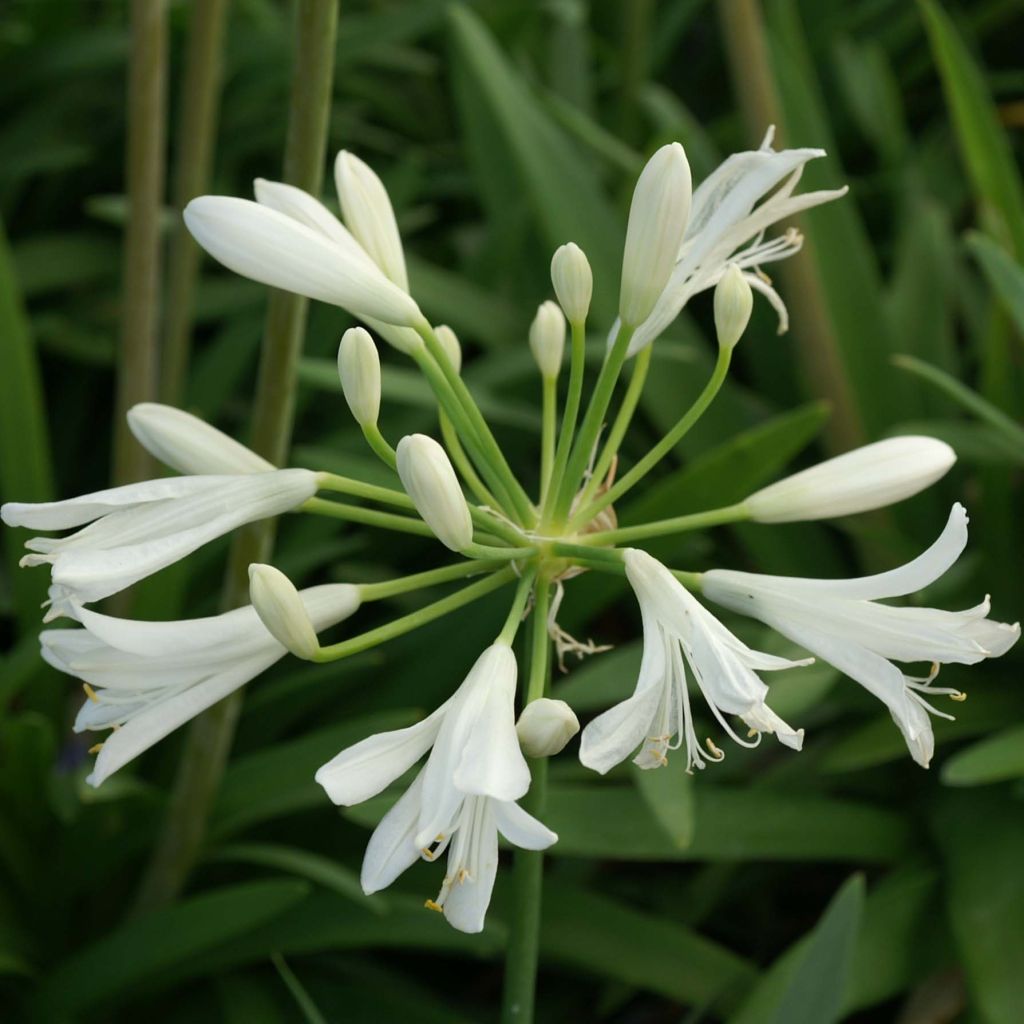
x=461, y=799
x=145, y=679
x=547, y=339
x=139, y=529
x=573, y=281
x=280, y=250
x=359, y=370
x=725, y=227
x=367, y=210
x=734, y=302
x=429, y=479
x=842, y=623
x=657, y=221
x=871, y=477
x=450, y=343
x=280, y=608
x=545, y=726
x=188, y=444
x=657, y=717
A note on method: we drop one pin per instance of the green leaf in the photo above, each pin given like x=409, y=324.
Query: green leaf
x=1005, y=276
x=303, y=1001
x=668, y=793
x=994, y=759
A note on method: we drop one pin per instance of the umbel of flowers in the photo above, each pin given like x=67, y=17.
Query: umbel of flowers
x=144, y=679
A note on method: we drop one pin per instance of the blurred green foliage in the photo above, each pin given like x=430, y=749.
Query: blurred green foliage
x=841, y=884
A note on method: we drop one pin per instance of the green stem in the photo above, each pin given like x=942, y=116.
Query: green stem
x=415, y=619
x=577, y=366
x=678, y=524
x=359, y=489
x=661, y=449
x=369, y=516
x=462, y=463
x=380, y=447
x=430, y=578
x=515, y=613
x=505, y=554
x=690, y=580
x=549, y=414
x=209, y=739
x=605, y=556
x=528, y=871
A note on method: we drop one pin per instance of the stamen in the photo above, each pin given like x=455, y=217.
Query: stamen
x=90, y=693
x=431, y=905
x=959, y=697
x=715, y=752
x=96, y=748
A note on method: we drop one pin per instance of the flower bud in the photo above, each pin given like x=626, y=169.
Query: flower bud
x=657, y=223
x=367, y=211
x=359, y=370
x=871, y=477
x=450, y=343
x=545, y=726
x=734, y=302
x=573, y=281
x=185, y=443
x=547, y=339
x=281, y=610
x=429, y=479
x=404, y=339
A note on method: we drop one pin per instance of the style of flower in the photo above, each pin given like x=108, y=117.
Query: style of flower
x=461, y=799
x=145, y=679
x=136, y=530
x=842, y=622
x=678, y=630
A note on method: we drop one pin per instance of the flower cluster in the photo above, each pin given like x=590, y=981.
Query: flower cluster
x=144, y=679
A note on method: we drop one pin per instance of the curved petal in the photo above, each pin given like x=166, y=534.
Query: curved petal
x=465, y=906
x=391, y=849
x=521, y=829
x=763, y=719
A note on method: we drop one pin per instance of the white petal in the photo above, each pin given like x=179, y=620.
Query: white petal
x=763, y=719
x=391, y=848
x=522, y=829
x=465, y=907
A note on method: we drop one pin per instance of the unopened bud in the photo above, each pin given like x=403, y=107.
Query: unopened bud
x=429, y=479
x=734, y=302
x=657, y=223
x=545, y=726
x=281, y=610
x=359, y=370
x=547, y=339
x=573, y=281
x=450, y=343
x=405, y=339
x=368, y=214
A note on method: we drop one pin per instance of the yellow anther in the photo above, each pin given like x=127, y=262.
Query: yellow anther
x=90, y=693
x=427, y=854
x=715, y=752
x=431, y=905
x=440, y=838
x=96, y=749
x=751, y=733
x=958, y=697
x=462, y=875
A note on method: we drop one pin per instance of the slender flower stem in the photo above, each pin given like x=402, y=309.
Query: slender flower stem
x=462, y=463
x=359, y=489
x=606, y=556
x=505, y=554
x=567, y=432
x=430, y=578
x=661, y=449
x=415, y=619
x=690, y=580
x=641, y=365
x=592, y=421
x=549, y=414
x=678, y=524
x=528, y=870
x=209, y=739
x=139, y=351
x=369, y=516
x=515, y=613
x=380, y=447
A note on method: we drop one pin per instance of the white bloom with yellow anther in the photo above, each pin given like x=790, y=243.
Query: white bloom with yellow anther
x=678, y=630
x=136, y=530
x=657, y=221
x=842, y=622
x=188, y=444
x=280, y=608
x=547, y=339
x=734, y=302
x=449, y=341
x=366, y=208
x=573, y=281
x=871, y=477
x=359, y=370
x=545, y=726
x=429, y=479
x=461, y=799
x=145, y=679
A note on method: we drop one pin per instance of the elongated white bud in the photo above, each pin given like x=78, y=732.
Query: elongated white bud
x=734, y=302
x=871, y=477
x=404, y=339
x=547, y=339
x=281, y=610
x=359, y=370
x=545, y=726
x=188, y=444
x=368, y=214
x=429, y=479
x=657, y=223
x=450, y=343
x=573, y=281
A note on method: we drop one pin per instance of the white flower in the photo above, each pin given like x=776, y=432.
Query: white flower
x=359, y=370
x=449, y=341
x=461, y=799
x=144, y=679
x=677, y=626
x=141, y=528
x=547, y=338
x=429, y=479
x=573, y=281
x=734, y=302
x=188, y=444
x=870, y=477
x=723, y=219
x=282, y=611
x=841, y=622
x=545, y=726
